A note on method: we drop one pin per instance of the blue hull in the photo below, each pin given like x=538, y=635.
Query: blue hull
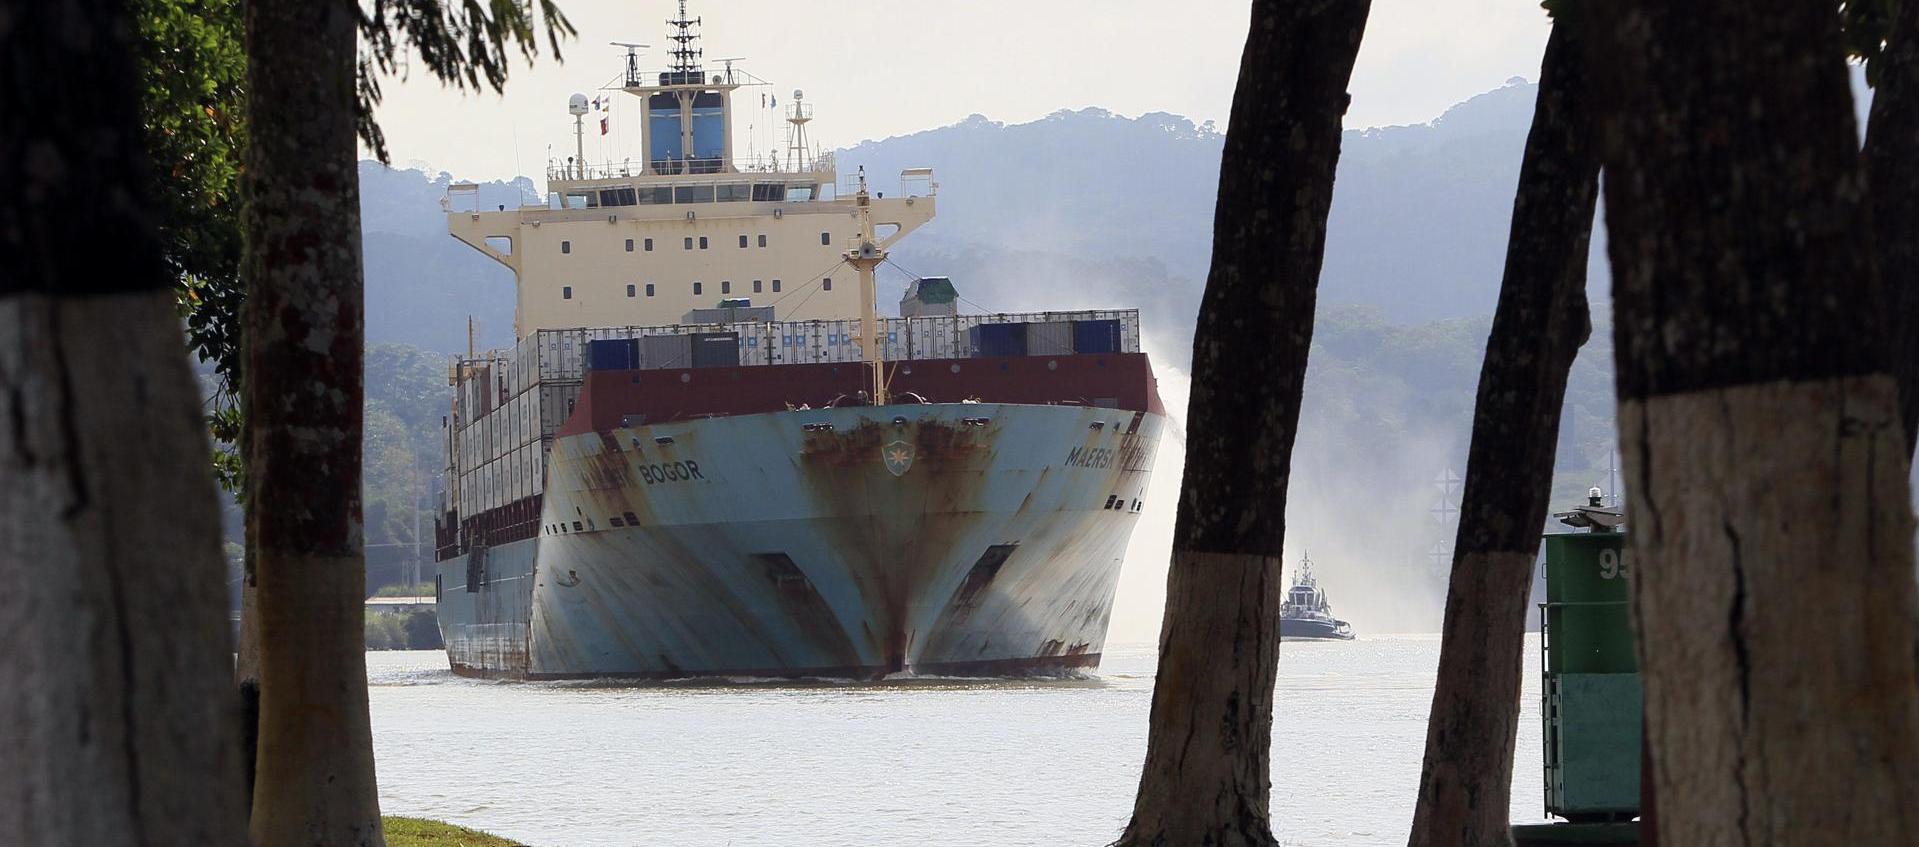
x=964, y=539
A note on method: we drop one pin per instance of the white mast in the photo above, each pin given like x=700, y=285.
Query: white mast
x=798, y=151
x=577, y=105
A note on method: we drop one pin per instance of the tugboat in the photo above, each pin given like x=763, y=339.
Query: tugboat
x=1306, y=614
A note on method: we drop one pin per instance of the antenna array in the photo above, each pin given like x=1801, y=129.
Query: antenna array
x=686, y=57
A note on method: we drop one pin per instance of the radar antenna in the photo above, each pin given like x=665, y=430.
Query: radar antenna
x=686, y=57
x=632, y=61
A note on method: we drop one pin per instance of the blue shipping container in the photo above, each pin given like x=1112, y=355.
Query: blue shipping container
x=1007, y=339
x=1096, y=336
x=616, y=354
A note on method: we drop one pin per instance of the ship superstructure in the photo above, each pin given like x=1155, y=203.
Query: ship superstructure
x=708, y=452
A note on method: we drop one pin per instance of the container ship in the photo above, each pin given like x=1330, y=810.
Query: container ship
x=709, y=454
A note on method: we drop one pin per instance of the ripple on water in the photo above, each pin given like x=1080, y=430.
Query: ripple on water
x=915, y=761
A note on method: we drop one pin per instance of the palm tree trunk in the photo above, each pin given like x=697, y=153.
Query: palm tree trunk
x=1466, y=784
x=1771, y=527
x=1207, y=777
x=116, y=715
x=1892, y=165
x=303, y=326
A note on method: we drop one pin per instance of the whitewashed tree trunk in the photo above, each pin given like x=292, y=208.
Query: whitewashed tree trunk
x=1465, y=786
x=1765, y=459
x=1207, y=779
x=303, y=324
x=117, y=721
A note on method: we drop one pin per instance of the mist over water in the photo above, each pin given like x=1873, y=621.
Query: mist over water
x=1364, y=513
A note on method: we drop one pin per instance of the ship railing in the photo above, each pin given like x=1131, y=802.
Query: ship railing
x=559, y=355
x=630, y=168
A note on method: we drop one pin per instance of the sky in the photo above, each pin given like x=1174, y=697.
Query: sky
x=880, y=68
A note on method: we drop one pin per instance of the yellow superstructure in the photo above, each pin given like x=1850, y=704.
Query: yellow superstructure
x=644, y=243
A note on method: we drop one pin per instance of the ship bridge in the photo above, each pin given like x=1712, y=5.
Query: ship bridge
x=647, y=241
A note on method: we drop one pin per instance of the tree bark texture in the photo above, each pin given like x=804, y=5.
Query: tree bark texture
x=303, y=325
x=1207, y=777
x=1892, y=165
x=1771, y=529
x=1465, y=786
x=116, y=714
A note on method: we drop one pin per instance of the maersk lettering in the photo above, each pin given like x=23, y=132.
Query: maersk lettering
x=671, y=472
x=1134, y=454
x=1090, y=457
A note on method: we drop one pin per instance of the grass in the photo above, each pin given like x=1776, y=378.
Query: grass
x=415, y=832
x=424, y=589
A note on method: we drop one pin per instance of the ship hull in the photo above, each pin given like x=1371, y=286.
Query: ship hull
x=1298, y=629
x=945, y=539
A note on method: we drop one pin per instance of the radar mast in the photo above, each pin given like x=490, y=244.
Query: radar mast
x=686, y=57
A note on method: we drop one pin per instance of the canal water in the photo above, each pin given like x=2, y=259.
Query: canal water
x=917, y=762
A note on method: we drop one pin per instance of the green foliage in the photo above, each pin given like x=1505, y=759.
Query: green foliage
x=424, y=589
x=193, y=69
x=384, y=631
x=1867, y=23
x=192, y=111
x=422, y=631
x=463, y=43
x=411, y=384
x=402, y=631
x=405, y=397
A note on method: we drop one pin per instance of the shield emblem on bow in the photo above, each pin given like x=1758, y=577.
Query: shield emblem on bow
x=898, y=457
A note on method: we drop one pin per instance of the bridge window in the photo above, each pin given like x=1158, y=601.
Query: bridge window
x=693, y=194
x=734, y=193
